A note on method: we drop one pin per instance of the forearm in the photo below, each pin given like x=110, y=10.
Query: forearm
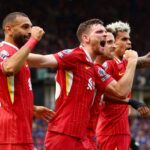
x=15, y=62
x=115, y=99
x=124, y=85
x=37, y=60
x=143, y=61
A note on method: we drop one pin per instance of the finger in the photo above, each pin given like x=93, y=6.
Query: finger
x=48, y=116
x=141, y=110
x=47, y=110
x=44, y=118
x=50, y=113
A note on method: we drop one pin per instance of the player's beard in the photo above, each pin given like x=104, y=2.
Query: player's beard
x=20, y=40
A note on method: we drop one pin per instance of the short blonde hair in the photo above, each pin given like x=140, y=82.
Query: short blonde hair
x=118, y=26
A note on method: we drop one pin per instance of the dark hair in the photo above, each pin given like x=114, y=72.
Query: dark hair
x=84, y=26
x=111, y=31
x=12, y=17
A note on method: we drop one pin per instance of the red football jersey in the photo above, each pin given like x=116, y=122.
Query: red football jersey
x=16, y=101
x=75, y=85
x=113, y=117
x=95, y=110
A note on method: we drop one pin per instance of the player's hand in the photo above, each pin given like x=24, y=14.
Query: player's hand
x=44, y=113
x=139, y=106
x=37, y=32
x=144, y=111
x=131, y=55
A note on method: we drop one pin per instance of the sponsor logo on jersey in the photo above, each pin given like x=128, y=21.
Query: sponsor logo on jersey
x=4, y=54
x=91, y=84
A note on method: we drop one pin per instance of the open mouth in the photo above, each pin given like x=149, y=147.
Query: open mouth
x=102, y=43
x=129, y=48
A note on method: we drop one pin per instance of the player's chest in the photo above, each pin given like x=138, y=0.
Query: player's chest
x=119, y=70
x=84, y=75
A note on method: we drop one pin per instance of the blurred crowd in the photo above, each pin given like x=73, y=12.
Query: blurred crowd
x=60, y=19
x=140, y=131
x=38, y=133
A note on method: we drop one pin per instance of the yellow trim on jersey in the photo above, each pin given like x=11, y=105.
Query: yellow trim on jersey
x=10, y=83
x=69, y=79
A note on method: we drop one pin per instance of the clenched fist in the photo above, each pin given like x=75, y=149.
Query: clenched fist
x=37, y=32
x=131, y=55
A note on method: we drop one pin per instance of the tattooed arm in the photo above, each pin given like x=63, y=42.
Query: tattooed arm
x=143, y=61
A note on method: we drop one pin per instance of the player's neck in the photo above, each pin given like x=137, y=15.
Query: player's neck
x=89, y=52
x=10, y=40
x=119, y=57
x=100, y=59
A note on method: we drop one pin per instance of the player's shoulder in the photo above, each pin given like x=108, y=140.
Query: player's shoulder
x=66, y=52
x=5, y=50
x=108, y=64
x=97, y=65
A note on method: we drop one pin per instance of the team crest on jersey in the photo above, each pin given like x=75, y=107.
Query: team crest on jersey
x=104, y=76
x=105, y=65
x=4, y=54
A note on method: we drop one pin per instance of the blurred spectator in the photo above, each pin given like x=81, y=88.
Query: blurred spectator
x=140, y=130
x=38, y=133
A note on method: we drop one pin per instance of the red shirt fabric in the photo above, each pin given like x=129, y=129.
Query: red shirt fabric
x=16, y=101
x=75, y=85
x=113, y=118
x=95, y=109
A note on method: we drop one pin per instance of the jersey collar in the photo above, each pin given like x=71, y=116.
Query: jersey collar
x=118, y=61
x=7, y=43
x=87, y=54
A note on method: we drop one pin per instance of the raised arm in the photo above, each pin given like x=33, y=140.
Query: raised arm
x=13, y=64
x=124, y=85
x=37, y=60
x=144, y=61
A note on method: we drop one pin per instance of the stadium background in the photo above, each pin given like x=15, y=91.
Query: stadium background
x=60, y=18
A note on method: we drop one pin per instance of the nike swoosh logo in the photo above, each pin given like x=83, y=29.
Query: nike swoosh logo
x=121, y=73
x=87, y=67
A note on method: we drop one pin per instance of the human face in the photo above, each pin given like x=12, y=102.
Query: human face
x=110, y=46
x=123, y=43
x=97, y=38
x=21, y=30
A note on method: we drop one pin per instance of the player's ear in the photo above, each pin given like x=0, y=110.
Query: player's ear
x=8, y=29
x=85, y=38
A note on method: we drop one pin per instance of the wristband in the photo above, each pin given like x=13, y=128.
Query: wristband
x=136, y=104
x=31, y=43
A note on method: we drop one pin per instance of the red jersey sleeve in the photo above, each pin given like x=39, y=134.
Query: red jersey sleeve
x=102, y=78
x=66, y=59
x=4, y=55
x=108, y=67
